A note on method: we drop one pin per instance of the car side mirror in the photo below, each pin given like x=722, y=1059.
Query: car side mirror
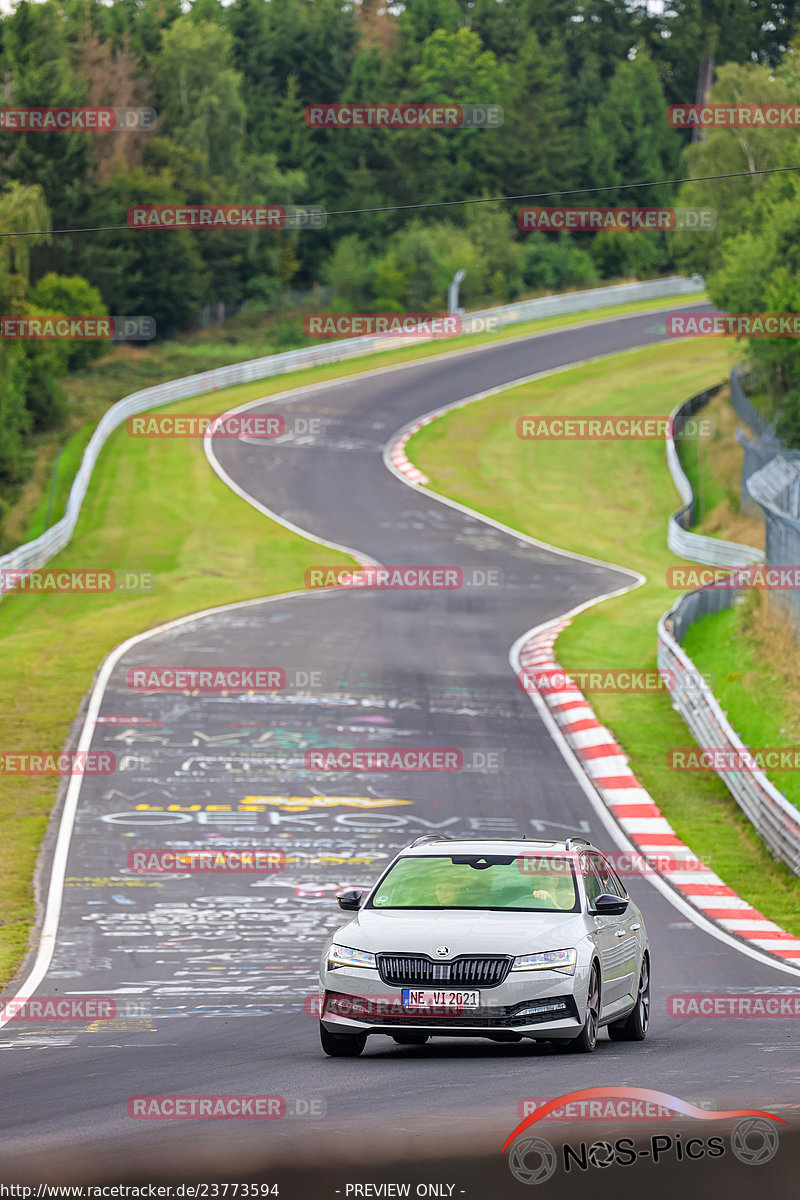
x=608, y=905
x=350, y=900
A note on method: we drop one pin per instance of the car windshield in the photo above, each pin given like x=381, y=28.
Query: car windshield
x=515, y=883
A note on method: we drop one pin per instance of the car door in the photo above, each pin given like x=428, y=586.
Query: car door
x=609, y=935
x=627, y=929
x=602, y=935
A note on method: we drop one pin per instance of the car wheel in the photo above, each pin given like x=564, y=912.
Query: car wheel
x=342, y=1045
x=634, y=1027
x=410, y=1039
x=586, y=1040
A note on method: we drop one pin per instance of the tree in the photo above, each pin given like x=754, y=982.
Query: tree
x=146, y=272
x=22, y=210
x=349, y=272
x=200, y=92
x=537, y=149
x=628, y=139
x=74, y=297
x=39, y=74
x=731, y=151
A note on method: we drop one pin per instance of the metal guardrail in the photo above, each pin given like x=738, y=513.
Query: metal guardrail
x=762, y=443
x=36, y=553
x=745, y=411
x=714, y=552
x=776, y=489
x=773, y=817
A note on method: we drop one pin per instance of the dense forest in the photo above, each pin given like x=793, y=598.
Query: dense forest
x=584, y=86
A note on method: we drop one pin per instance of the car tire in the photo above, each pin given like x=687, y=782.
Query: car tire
x=634, y=1027
x=586, y=1040
x=410, y=1039
x=342, y=1045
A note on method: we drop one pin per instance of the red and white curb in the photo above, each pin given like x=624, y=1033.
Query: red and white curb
x=396, y=453
x=637, y=814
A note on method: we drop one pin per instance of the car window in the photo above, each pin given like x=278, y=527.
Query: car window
x=591, y=880
x=612, y=874
x=607, y=878
x=517, y=883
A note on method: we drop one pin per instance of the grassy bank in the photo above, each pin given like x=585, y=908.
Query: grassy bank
x=713, y=466
x=752, y=651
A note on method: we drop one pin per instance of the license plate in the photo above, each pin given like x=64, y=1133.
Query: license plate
x=440, y=999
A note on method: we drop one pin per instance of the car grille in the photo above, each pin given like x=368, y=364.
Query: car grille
x=414, y=970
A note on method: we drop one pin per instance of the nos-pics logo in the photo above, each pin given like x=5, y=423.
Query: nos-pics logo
x=532, y=1159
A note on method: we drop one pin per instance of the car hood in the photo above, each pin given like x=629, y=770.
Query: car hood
x=470, y=932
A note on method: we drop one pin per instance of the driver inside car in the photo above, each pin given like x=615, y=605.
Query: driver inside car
x=449, y=893
x=556, y=890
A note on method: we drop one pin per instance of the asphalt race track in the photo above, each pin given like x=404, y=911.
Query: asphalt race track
x=215, y=978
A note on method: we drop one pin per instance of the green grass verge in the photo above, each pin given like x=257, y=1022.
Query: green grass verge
x=611, y=500
x=759, y=703
x=710, y=491
x=53, y=500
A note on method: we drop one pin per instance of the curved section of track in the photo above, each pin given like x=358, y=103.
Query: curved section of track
x=227, y=963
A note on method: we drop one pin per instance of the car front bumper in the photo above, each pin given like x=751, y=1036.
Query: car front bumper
x=541, y=1004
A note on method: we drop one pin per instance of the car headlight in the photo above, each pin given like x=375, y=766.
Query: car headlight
x=345, y=956
x=548, y=960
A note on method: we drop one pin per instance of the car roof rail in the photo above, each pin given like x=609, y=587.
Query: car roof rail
x=575, y=841
x=431, y=837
